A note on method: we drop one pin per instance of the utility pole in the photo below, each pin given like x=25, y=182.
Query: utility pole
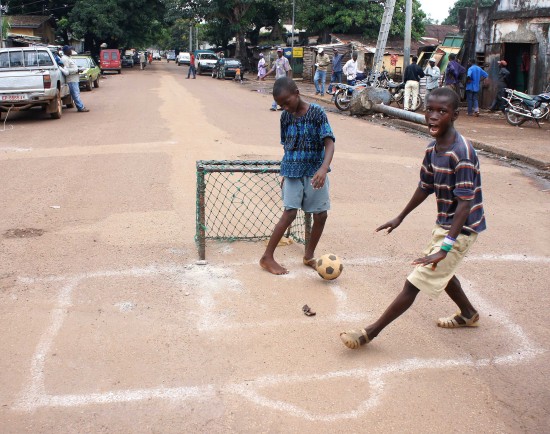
x=5, y=10
x=190, y=38
x=197, y=38
x=292, y=40
x=408, y=25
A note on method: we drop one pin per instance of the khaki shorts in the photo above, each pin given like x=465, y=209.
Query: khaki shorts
x=434, y=282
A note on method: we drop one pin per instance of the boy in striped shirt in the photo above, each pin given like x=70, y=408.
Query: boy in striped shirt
x=450, y=170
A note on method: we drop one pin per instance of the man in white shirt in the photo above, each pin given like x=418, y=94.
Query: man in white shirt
x=433, y=74
x=72, y=76
x=281, y=68
x=350, y=69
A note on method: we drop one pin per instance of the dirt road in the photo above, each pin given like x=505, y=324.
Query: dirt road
x=108, y=325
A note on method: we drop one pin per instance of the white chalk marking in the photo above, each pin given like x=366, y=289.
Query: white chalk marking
x=34, y=396
x=14, y=149
x=125, y=306
x=518, y=257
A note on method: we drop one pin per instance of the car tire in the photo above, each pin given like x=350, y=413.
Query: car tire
x=96, y=82
x=89, y=85
x=118, y=71
x=199, y=70
x=59, y=106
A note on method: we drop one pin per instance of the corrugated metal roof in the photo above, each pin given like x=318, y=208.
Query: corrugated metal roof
x=27, y=21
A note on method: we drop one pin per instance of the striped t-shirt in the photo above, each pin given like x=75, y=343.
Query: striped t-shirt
x=451, y=174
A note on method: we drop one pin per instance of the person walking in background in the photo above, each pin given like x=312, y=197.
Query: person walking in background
x=281, y=68
x=150, y=58
x=323, y=60
x=452, y=74
x=221, y=63
x=502, y=83
x=350, y=69
x=473, y=81
x=70, y=71
x=525, y=66
x=142, y=60
x=192, y=69
x=336, y=76
x=433, y=74
x=412, y=76
x=262, y=67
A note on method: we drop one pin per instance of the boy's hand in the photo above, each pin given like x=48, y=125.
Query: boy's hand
x=432, y=259
x=318, y=180
x=391, y=225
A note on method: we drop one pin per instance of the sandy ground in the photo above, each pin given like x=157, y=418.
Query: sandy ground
x=109, y=325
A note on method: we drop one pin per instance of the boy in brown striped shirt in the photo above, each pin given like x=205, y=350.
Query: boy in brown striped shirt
x=450, y=170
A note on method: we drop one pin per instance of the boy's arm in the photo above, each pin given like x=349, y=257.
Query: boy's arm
x=318, y=180
x=461, y=215
x=417, y=198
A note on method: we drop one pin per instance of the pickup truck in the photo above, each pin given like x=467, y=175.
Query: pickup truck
x=30, y=77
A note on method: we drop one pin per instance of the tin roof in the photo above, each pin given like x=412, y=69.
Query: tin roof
x=27, y=21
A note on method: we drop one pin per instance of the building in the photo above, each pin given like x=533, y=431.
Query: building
x=517, y=31
x=30, y=29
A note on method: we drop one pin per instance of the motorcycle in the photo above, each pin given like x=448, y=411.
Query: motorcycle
x=522, y=107
x=344, y=92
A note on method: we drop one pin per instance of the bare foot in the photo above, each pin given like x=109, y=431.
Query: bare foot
x=269, y=264
x=311, y=262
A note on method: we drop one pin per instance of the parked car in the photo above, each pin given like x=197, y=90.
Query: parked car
x=205, y=62
x=109, y=60
x=30, y=77
x=231, y=66
x=170, y=55
x=156, y=55
x=127, y=61
x=89, y=71
x=183, y=58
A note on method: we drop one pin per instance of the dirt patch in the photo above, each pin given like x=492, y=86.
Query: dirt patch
x=23, y=233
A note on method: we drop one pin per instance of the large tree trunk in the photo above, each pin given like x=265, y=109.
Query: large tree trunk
x=240, y=49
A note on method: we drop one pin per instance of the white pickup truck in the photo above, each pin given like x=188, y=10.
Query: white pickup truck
x=30, y=77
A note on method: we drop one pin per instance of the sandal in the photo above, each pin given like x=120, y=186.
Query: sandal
x=458, y=320
x=307, y=311
x=353, y=339
x=311, y=263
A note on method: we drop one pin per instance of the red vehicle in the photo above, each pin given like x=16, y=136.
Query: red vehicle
x=109, y=60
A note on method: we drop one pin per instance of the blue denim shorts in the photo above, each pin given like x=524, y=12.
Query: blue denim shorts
x=299, y=194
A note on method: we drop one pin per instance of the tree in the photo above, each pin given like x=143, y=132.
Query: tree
x=452, y=19
x=355, y=16
x=119, y=23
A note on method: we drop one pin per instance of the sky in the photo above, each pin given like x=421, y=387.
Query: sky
x=437, y=9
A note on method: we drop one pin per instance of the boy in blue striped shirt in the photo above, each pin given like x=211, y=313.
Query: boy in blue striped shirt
x=450, y=170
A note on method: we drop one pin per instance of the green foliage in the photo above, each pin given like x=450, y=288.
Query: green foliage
x=120, y=23
x=452, y=19
x=356, y=17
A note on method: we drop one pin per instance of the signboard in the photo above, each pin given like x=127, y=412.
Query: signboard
x=287, y=52
x=298, y=52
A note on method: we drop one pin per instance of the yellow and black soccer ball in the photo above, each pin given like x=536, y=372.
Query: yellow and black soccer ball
x=329, y=266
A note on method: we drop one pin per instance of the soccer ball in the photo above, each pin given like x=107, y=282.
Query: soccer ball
x=329, y=266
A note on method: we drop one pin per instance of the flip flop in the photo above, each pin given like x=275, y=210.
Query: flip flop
x=458, y=320
x=310, y=263
x=353, y=339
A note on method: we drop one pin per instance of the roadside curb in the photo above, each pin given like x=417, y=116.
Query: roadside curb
x=539, y=164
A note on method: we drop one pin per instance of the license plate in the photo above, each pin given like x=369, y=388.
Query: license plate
x=14, y=97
